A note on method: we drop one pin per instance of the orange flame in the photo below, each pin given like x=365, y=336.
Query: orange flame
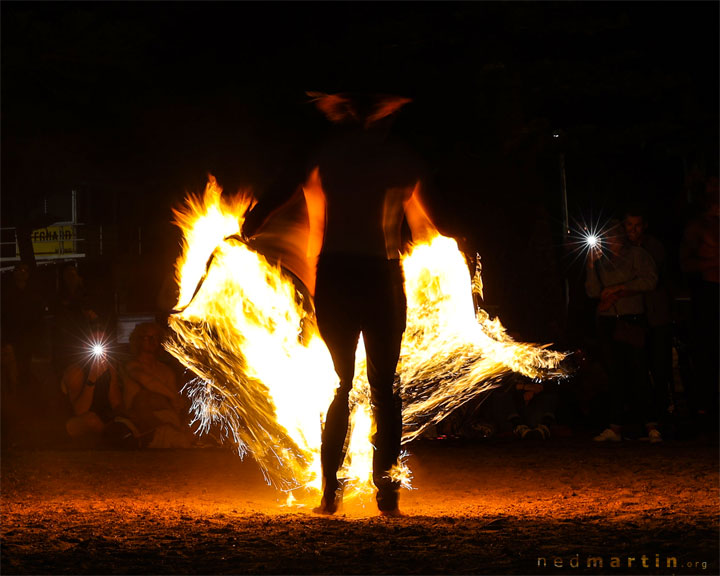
x=264, y=375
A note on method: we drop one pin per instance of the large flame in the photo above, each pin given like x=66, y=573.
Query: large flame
x=265, y=377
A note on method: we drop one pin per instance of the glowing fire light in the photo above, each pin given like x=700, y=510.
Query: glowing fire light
x=265, y=377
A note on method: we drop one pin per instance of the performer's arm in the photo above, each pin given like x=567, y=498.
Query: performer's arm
x=293, y=175
x=421, y=226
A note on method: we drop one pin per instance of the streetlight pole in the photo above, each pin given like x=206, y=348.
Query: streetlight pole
x=563, y=185
x=558, y=136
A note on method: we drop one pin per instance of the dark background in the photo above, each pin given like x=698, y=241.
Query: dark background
x=133, y=104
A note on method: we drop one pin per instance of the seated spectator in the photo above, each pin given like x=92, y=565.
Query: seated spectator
x=524, y=407
x=74, y=316
x=93, y=390
x=151, y=395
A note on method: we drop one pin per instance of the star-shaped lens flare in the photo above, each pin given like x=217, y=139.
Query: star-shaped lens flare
x=98, y=349
x=582, y=237
x=592, y=240
x=97, y=346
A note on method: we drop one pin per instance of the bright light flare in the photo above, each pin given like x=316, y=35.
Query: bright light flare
x=265, y=377
x=586, y=237
x=96, y=346
x=97, y=350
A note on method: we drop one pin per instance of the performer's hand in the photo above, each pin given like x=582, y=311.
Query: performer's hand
x=250, y=225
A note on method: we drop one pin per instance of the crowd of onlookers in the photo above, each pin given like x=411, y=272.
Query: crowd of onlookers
x=650, y=364
x=111, y=393
x=647, y=368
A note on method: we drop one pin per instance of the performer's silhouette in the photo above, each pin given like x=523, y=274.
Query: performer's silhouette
x=358, y=188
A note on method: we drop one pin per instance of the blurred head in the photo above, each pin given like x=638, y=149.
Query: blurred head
x=70, y=277
x=366, y=110
x=146, y=337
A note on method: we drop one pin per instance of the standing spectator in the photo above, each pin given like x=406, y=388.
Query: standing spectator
x=658, y=307
x=74, y=317
x=22, y=311
x=700, y=259
x=619, y=274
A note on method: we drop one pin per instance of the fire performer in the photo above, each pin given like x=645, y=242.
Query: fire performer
x=358, y=188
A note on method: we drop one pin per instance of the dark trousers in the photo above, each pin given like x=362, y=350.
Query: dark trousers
x=626, y=368
x=705, y=342
x=356, y=294
x=659, y=351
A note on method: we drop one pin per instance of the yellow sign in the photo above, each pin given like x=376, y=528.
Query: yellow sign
x=53, y=240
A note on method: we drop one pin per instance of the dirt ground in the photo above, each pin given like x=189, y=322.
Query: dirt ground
x=502, y=507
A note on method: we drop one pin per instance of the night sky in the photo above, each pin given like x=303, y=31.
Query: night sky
x=135, y=103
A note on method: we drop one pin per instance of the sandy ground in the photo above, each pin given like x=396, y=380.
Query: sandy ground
x=503, y=507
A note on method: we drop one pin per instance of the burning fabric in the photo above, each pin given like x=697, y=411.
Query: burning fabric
x=245, y=327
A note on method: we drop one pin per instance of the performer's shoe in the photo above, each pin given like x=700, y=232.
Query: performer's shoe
x=329, y=504
x=325, y=509
x=387, y=502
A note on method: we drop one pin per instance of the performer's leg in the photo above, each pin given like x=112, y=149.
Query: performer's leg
x=387, y=413
x=332, y=452
x=338, y=323
x=382, y=332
